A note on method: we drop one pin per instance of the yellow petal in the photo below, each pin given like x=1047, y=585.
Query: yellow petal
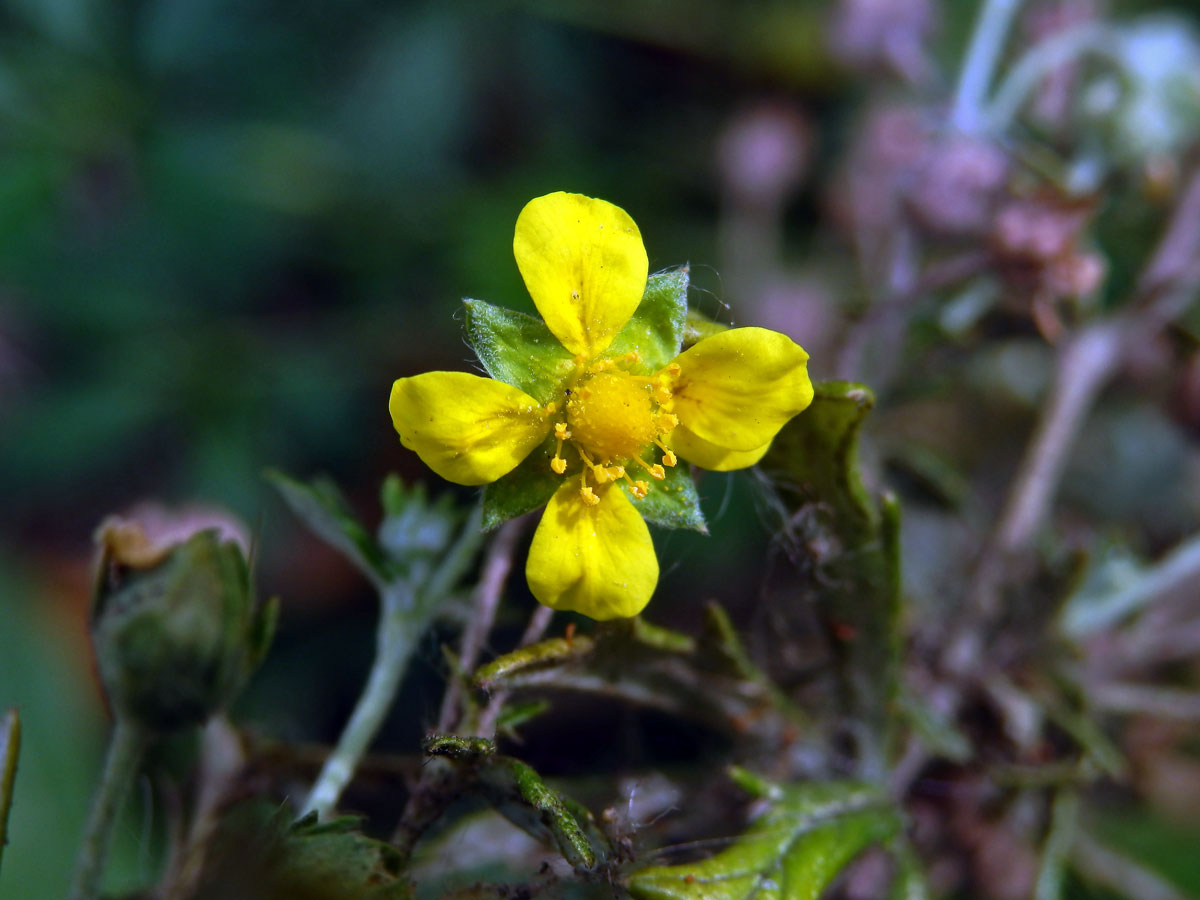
x=736, y=389
x=709, y=456
x=470, y=430
x=585, y=266
x=596, y=560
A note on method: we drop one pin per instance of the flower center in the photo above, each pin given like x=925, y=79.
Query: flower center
x=613, y=416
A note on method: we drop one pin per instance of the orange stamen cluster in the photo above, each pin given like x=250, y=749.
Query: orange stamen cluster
x=612, y=417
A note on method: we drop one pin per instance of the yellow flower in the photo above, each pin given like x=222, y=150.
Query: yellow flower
x=616, y=428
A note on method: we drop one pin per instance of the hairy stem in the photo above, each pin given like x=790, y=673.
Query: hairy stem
x=397, y=635
x=125, y=750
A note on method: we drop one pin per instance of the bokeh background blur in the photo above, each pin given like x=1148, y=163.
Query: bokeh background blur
x=227, y=225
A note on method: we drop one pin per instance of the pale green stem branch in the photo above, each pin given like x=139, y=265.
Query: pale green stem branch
x=406, y=613
x=394, y=642
x=979, y=64
x=125, y=750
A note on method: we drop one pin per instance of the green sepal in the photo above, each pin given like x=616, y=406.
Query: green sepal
x=518, y=349
x=793, y=852
x=699, y=326
x=527, y=487
x=655, y=331
x=672, y=502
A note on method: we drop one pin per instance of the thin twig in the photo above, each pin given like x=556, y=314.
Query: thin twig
x=439, y=782
x=1085, y=362
x=485, y=602
x=538, y=623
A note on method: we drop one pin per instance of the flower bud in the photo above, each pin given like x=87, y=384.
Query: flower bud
x=174, y=623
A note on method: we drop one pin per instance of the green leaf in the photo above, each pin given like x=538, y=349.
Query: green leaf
x=310, y=859
x=518, y=349
x=322, y=508
x=816, y=457
x=518, y=793
x=10, y=749
x=655, y=331
x=527, y=487
x=818, y=452
x=809, y=834
x=673, y=502
x=543, y=654
x=699, y=326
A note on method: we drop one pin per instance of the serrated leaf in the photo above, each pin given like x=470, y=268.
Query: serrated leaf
x=322, y=508
x=527, y=487
x=655, y=331
x=816, y=455
x=517, y=349
x=10, y=749
x=793, y=852
x=311, y=860
x=673, y=502
x=818, y=452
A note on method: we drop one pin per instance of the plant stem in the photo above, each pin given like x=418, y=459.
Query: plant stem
x=485, y=602
x=987, y=41
x=125, y=751
x=394, y=642
x=10, y=749
x=406, y=612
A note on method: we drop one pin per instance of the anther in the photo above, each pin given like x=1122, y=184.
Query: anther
x=640, y=489
x=657, y=472
x=561, y=431
x=601, y=474
x=673, y=369
x=669, y=459
x=588, y=496
x=666, y=422
x=558, y=465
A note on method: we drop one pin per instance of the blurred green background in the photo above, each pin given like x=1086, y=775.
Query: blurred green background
x=227, y=225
